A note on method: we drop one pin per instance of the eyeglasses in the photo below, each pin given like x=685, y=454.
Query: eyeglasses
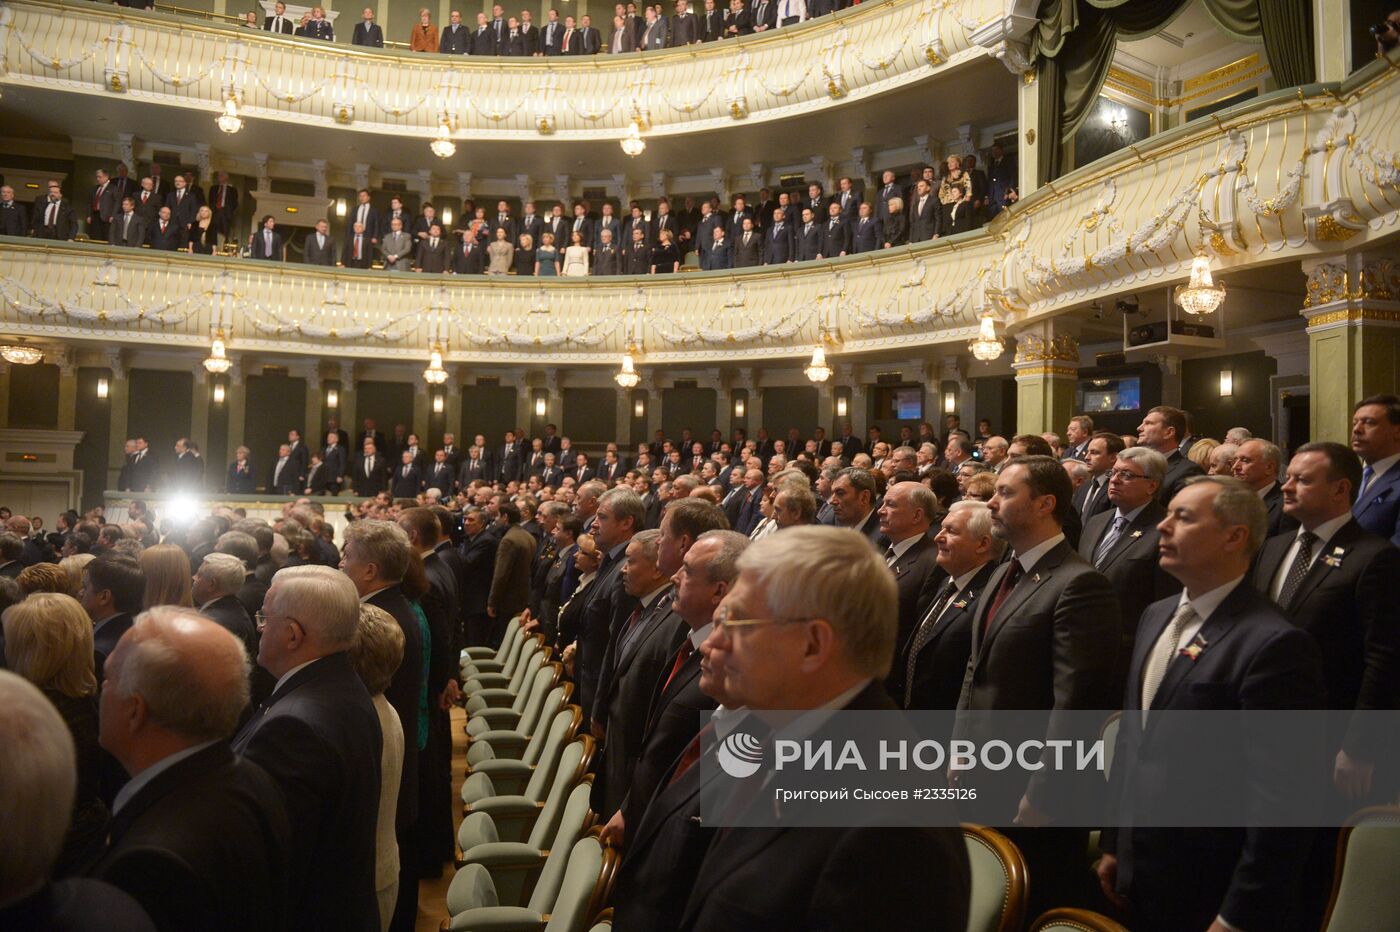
x=260, y=620
x=1124, y=475
x=729, y=625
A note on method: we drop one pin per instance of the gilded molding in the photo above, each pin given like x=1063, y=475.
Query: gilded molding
x=1352, y=315
x=1052, y=371
x=1033, y=348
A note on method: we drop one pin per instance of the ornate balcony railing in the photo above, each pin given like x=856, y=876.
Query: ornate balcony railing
x=869, y=49
x=1291, y=175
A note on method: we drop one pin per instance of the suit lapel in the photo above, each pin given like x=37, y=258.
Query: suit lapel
x=1216, y=628
x=179, y=773
x=1025, y=588
x=1380, y=490
x=1342, y=540
x=1135, y=529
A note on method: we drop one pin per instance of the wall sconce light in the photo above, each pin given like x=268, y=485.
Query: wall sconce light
x=842, y=405
x=332, y=398
x=446, y=217
x=541, y=406
x=437, y=404
x=639, y=408
x=950, y=402
x=1227, y=383
x=102, y=388
x=738, y=407
x=340, y=207
x=219, y=393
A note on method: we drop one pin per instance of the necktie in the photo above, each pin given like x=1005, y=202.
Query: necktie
x=691, y=753
x=357, y=245
x=1301, y=564
x=1109, y=539
x=686, y=649
x=1162, y=653
x=162, y=226
x=925, y=634
x=222, y=189
x=126, y=224
x=52, y=213
x=267, y=239
x=405, y=472
x=369, y=466
x=145, y=195
x=179, y=195
x=432, y=242
x=1366, y=475
x=1090, y=497
x=1008, y=583
x=891, y=556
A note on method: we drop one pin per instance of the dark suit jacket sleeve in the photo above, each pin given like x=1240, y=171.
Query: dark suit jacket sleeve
x=171, y=891
x=294, y=752
x=1378, y=594
x=865, y=857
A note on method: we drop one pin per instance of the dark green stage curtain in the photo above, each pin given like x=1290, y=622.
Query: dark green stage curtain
x=1287, y=26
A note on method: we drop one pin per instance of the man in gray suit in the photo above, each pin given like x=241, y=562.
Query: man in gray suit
x=654, y=36
x=320, y=248
x=397, y=248
x=128, y=228
x=1045, y=636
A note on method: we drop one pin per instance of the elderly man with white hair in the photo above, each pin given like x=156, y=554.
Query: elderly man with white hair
x=39, y=772
x=215, y=590
x=199, y=836
x=1257, y=464
x=318, y=735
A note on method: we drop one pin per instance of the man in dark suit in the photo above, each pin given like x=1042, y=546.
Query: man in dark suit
x=867, y=233
x=510, y=581
x=672, y=708
x=128, y=228
x=748, y=246
x=199, y=837
x=808, y=237
x=432, y=252
x=719, y=256
x=223, y=204
x=279, y=21
x=408, y=478
x=183, y=202
x=358, y=251
x=286, y=478
x=469, y=258
x=931, y=662
x=114, y=588
x=607, y=259
x=456, y=38
x=319, y=248
x=767, y=872
x=479, y=562
x=591, y=40
x=508, y=460
x=778, y=242
x=1375, y=437
x=637, y=260
x=1162, y=430
x=367, y=32
x=145, y=469
x=924, y=213
x=13, y=221
x=619, y=518
x=1340, y=583
x=440, y=475
x=334, y=458
x=1257, y=465
x=266, y=241
x=1121, y=543
x=318, y=735
x=711, y=23
x=164, y=234
x=483, y=37
x=685, y=28
x=473, y=468
x=54, y=217
x=1219, y=645
x=908, y=511
x=1045, y=637
x=608, y=223
x=103, y=206
x=364, y=213
x=370, y=473
x=215, y=590
x=552, y=36
x=836, y=234
x=854, y=504
x=1091, y=498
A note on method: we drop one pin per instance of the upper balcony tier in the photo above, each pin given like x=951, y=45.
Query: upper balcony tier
x=855, y=55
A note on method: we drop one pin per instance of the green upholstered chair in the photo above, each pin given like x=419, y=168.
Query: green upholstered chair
x=998, y=902
x=1365, y=896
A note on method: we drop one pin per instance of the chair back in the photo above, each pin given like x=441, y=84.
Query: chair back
x=566, y=776
x=554, y=708
x=998, y=901
x=571, y=828
x=1365, y=896
x=1075, y=920
x=550, y=758
x=587, y=881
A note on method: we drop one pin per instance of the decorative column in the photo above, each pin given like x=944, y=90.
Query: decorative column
x=653, y=416
x=1353, y=313
x=965, y=405
x=236, y=404
x=753, y=414
x=423, y=408
x=452, y=409
x=1046, y=366
x=5, y=393
x=199, y=406
x=724, y=403
x=554, y=399
x=310, y=371
x=622, y=419
x=1028, y=123
x=525, y=378
x=118, y=396
x=67, y=363
x=346, y=405
x=848, y=376
x=928, y=374
x=1332, y=45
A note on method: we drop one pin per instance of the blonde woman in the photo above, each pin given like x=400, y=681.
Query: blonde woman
x=525, y=255
x=1201, y=450
x=547, y=257
x=48, y=641
x=576, y=257
x=204, y=237
x=74, y=567
x=955, y=196
x=376, y=655
x=43, y=577
x=168, y=576
x=425, y=34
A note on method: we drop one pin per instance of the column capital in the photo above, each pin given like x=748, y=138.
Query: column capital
x=116, y=361
x=65, y=359
x=235, y=370
x=347, y=374
x=361, y=175
x=551, y=380
x=309, y=369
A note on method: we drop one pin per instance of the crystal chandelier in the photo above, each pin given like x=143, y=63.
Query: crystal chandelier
x=627, y=376
x=988, y=345
x=442, y=145
x=633, y=144
x=217, y=362
x=1202, y=295
x=229, y=121
x=21, y=354
x=435, y=374
x=817, y=370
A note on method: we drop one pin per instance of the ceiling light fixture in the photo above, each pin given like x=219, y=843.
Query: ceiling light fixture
x=217, y=362
x=1202, y=295
x=442, y=145
x=435, y=374
x=229, y=121
x=988, y=345
x=627, y=376
x=633, y=144
x=22, y=354
x=817, y=370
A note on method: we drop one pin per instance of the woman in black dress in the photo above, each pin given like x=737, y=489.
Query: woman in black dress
x=525, y=255
x=203, y=237
x=897, y=225
x=665, y=257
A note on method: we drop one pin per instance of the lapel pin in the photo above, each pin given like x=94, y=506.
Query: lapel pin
x=1193, y=650
x=1136, y=534
x=1035, y=578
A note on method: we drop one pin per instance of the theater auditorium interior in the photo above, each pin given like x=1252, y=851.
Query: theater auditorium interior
x=961, y=368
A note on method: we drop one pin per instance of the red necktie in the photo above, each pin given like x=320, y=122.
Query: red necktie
x=145, y=195
x=357, y=246
x=1008, y=583
x=222, y=188
x=691, y=753
x=687, y=648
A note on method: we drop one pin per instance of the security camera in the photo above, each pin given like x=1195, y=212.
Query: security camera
x=1127, y=306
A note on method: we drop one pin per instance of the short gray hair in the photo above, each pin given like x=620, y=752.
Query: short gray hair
x=225, y=571
x=648, y=543
x=724, y=565
x=384, y=544
x=39, y=772
x=979, y=523
x=1238, y=435
x=1077, y=469
x=323, y=600
x=1269, y=450
x=156, y=661
x=799, y=498
x=833, y=574
x=922, y=498
x=1237, y=503
x=378, y=649
x=239, y=544
x=1154, y=464
x=624, y=503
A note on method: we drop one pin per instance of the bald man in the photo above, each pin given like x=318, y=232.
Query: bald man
x=196, y=830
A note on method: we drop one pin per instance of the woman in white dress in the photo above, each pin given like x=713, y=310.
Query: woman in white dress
x=576, y=257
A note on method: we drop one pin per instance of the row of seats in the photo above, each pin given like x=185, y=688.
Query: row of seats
x=531, y=858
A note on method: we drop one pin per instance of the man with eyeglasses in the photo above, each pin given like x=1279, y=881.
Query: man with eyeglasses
x=1122, y=542
x=318, y=735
